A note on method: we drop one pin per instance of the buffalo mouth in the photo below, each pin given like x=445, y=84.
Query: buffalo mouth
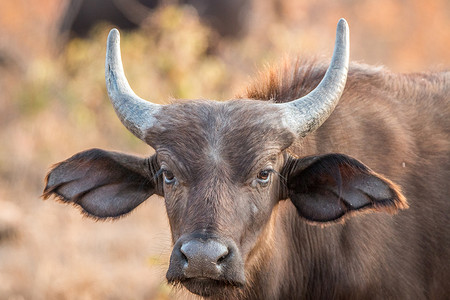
x=207, y=287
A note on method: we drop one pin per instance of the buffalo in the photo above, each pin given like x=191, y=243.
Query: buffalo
x=318, y=183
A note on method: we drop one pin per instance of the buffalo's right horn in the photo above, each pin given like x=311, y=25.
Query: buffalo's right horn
x=306, y=114
x=138, y=115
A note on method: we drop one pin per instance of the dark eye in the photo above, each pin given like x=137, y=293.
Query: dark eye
x=169, y=178
x=264, y=176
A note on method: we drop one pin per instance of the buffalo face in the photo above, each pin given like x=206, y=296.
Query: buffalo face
x=220, y=179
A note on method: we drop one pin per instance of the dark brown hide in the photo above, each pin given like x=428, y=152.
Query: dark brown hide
x=234, y=178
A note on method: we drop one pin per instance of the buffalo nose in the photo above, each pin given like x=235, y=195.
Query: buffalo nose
x=204, y=258
x=198, y=259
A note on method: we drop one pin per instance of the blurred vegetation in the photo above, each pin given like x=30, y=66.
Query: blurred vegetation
x=53, y=103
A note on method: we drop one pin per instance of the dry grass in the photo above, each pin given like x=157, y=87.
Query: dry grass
x=54, y=105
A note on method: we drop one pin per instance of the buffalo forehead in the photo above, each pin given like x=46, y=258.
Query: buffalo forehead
x=234, y=133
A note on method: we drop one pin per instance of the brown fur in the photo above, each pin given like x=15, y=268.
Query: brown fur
x=398, y=125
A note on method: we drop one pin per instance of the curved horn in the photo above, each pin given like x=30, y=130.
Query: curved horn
x=306, y=114
x=135, y=113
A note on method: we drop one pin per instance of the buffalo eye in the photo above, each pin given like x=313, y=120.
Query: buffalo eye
x=169, y=178
x=263, y=176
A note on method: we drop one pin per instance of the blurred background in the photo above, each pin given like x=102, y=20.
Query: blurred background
x=53, y=104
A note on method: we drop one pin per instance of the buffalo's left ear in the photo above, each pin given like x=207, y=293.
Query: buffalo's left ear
x=327, y=187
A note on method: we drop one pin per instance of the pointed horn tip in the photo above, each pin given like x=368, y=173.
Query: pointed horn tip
x=113, y=36
x=342, y=22
x=342, y=25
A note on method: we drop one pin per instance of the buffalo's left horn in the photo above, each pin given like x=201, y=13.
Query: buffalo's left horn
x=306, y=114
x=138, y=115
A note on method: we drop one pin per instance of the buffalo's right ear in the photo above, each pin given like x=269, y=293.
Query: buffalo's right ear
x=328, y=187
x=104, y=184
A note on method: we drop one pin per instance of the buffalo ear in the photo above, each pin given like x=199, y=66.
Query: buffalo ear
x=104, y=184
x=328, y=187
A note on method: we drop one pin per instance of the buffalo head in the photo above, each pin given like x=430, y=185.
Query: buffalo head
x=222, y=168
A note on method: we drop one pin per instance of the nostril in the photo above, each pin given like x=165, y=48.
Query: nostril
x=185, y=252
x=223, y=257
x=218, y=253
x=183, y=256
